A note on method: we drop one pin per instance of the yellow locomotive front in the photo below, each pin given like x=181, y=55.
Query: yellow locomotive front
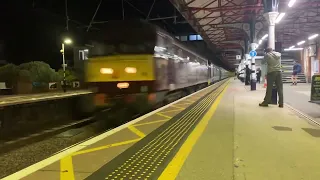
x=121, y=69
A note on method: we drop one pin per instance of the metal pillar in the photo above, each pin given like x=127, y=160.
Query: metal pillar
x=64, y=87
x=253, y=68
x=253, y=46
x=271, y=18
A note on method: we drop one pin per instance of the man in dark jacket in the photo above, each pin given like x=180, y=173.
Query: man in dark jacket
x=296, y=70
x=258, y=75
x=273, y=60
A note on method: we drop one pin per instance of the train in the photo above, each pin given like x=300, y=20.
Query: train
x=137, y=65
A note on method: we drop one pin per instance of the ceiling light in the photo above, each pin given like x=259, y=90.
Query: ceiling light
x=293, y=49
x=301, y=42
x=280, y=17
x=291, y=2
x=313, y=36
x=265, y=36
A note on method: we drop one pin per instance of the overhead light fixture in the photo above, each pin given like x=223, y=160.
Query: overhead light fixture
x=291, y=2
x=280, y=17
x=293, y=49
x=313, y=36
x=301, y=42
x=265, y=36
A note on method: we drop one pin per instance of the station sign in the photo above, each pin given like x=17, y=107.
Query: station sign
x=315, y=89
x=253, y=53
x=53, y=85
x=76, y=84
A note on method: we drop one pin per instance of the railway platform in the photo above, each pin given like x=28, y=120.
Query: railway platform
x=30, y=98
x=218, y=133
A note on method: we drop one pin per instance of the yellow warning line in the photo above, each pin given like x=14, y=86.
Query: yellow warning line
x=175, y=106
x=173, y=168
x=184, y=104
x=106, y=147
x=66, y=168
x=136, y=131
x=189, y=100
x=174, y=110
x=160, y=114
x=152, y=122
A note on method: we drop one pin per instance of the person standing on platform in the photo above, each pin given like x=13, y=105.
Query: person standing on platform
x=274, y=75
x=258, y=75
x=296, y=70
x=248, y=73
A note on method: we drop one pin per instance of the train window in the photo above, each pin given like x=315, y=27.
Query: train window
x=199, y=37
x=193, y=37
x=184, y=38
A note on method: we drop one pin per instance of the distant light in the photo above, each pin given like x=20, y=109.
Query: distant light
x=291, y=2
x=265, y=36
x=301, y=42
x=130, y=70
x=280, y=17
x=123, y=85
x=293, y=49
x=313, y=36
x=260, y=41
x=68, y=41
x=106, y=71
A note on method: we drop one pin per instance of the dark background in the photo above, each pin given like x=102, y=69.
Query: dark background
x=32, y=30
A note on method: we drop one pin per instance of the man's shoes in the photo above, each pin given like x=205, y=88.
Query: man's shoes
x=280, y=105
x=263, y=105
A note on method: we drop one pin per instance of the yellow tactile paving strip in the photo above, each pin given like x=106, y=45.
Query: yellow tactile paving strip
x=113, y=145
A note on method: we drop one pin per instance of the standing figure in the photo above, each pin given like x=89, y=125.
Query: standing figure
x=258, y=75
x=296, y=70
x=274, y=75
x=248, y=73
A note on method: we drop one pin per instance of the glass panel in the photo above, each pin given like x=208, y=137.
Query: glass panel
x=193, y=37
x=184, y=38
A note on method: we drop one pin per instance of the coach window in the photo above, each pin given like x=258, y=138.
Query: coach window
x=192, y=37
x=184, y=38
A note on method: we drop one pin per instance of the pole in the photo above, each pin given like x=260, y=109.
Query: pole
x=271, y=18
x=253, y=68
x=64, y=69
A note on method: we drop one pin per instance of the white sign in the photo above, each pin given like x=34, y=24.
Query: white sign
x=238, y=57
x=53, y=85
x=76, y=84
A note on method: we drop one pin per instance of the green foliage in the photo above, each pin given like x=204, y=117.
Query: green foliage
x=70, y=74
x=9, y=73
x=34, y=72
x=24, y=76
x=40, y=72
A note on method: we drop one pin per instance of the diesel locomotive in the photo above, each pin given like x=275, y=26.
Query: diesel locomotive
x=138, y=65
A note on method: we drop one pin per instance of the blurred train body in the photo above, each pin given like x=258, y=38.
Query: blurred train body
x=139, y=66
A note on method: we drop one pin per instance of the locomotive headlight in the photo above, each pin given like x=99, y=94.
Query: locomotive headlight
x=106, y=71
x=130, y=70
x=123, y=85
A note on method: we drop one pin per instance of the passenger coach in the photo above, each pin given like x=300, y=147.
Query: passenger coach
x=139, y=65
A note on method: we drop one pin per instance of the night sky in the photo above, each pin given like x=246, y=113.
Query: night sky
x=32, y=30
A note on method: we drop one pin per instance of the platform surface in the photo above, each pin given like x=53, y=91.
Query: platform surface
x=235, y=140
x=246, y=142
x=29, y=98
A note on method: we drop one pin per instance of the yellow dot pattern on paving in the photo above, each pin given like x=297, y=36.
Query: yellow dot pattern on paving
x=143, y=163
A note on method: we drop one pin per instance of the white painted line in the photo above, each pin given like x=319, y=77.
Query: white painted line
x=303, y=114
x=67, y=151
